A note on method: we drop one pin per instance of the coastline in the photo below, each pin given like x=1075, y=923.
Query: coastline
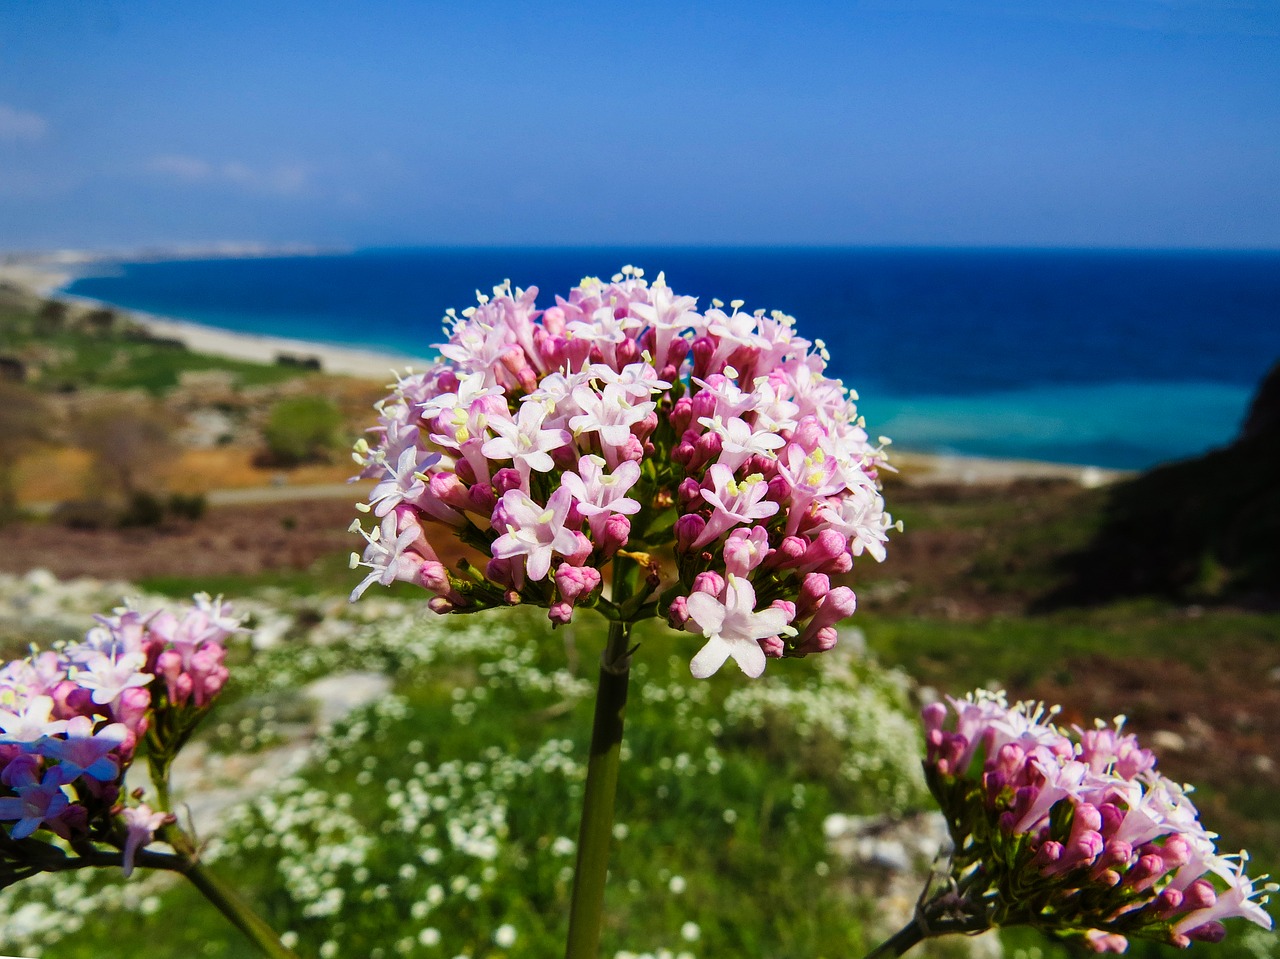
x=261, y=348
x=44, y=276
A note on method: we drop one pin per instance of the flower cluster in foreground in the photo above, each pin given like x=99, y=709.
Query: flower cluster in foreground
x=623, y=421
x=71, y=719
x=1075, y=832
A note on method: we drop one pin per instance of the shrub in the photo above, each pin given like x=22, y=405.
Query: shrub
x=303, y=429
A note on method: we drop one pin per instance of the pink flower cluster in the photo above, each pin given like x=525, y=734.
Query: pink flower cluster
x=71, y=718
x=1076, y=832
x=622, y=419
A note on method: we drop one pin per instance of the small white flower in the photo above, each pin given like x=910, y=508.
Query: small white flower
x=690, y=932
x=505, y=935
x=429, y=936
x=677, y=884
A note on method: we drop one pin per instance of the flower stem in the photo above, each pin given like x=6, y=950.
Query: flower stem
x=902, y=940
x=226, y=899
x=586, y=911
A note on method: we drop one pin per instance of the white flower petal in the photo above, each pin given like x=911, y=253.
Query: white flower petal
x=711, y=657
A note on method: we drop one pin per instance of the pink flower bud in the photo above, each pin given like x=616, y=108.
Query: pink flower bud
x=617, y=530
x=812, y=589
x=448, y=489
x=70, y=699
x=1100, y=941
x=709, y=582
x=789, y=552
x=481, y=499
x=825, y=553
x=506, y=480
x=1143, y=874
x=574, y=582
x=438, y=604
x=560, y=614
x=689, y=494
x=820, y=640
x=632, y=451
x=627, y=352
x=678, y=612
x=1047, y=856
x=687, y=530
x=1199, y=895
x=704, y=349
x=773, y=646
x=681, y=414
x=130, y=708
x=1209, y=932
x=1167, y=904
x=579, y=555
x=434, y=576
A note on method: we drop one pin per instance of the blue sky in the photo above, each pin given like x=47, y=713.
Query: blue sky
x=949, y=122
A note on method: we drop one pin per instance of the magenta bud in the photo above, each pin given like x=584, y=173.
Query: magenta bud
x=933, y=716
x=1176, y=852
x=506, y=480
x=681, y=414
x=1112, y=817
x=809, y=433
x=1199, y=895
x=1209, y=932
x=465, y=472
x=689, y=493
x=1143, y=874
x=1047, y=856
x=501, y=571
x=1167, y=904
x=687, y=530
x=70, y=699
x=511, y=598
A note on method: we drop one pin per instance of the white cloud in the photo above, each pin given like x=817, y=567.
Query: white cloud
x=281, y=179
x=18, y=124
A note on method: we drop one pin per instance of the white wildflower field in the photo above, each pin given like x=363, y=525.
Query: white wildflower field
x=436, y=814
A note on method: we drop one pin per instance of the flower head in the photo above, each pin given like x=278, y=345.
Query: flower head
x=621, y=425
x=1077, y=835
x=71, y=719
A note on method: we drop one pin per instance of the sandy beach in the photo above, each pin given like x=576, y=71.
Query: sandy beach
x=44, y=274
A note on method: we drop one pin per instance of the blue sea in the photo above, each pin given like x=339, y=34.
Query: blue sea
x=1120, y=359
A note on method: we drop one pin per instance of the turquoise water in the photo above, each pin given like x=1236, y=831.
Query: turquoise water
x=1112, y=358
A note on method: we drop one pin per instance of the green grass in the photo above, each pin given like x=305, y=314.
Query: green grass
x=114, y=359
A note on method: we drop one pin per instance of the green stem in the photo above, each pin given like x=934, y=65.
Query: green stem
x=226, y=899
x=586, y=911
